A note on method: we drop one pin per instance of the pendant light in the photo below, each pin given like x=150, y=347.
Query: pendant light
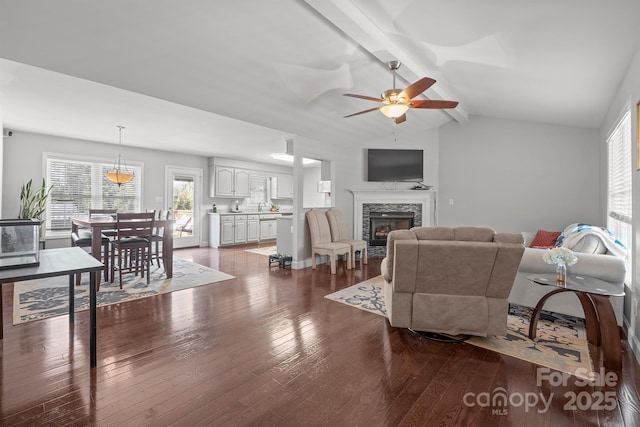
x=119, y=174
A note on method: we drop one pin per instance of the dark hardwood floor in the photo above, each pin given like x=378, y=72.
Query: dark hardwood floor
x=267, y=348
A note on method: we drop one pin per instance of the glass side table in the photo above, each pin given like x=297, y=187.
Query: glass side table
x=600, y=319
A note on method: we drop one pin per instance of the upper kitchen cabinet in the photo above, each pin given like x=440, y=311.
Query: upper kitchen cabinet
x=282, y=187
x=229, y=182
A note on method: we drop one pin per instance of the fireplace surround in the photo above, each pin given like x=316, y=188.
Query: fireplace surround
x=421, y=203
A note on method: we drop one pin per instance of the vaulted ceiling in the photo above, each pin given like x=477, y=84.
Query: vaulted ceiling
x=236, y=78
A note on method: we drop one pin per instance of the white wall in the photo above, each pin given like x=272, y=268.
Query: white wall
x=311, y=197
x=518, y=176
x=628, y=96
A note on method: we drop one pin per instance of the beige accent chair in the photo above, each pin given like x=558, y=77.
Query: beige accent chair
x=450, y=280
x=338, y=228
x=321, y=243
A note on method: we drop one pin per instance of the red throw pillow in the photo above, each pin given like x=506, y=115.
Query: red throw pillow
x=545, y=239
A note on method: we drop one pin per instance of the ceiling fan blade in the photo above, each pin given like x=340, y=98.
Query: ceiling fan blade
x=400, y=119
x=368, y=98
x=362, y=112
x=433, y=103
x=416, y=88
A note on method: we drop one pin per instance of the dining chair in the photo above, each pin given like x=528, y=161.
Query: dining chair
x=132, y=244
x=338, y=227
x=104, y=212
x=83, y=238
x=158, y=234
x=321, y=243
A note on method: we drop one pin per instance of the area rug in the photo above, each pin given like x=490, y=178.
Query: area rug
x=43, y=298
x=561, y=342
x=267, y=250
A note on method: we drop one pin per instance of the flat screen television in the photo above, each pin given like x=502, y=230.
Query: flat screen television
x=390, y=165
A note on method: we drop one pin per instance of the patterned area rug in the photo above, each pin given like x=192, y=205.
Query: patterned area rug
x=267, y=250
x=561, y=342
x=43, y=298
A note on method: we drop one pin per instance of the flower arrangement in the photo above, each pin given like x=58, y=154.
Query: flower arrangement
x=560, y=256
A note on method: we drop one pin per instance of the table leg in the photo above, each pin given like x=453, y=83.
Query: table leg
x=93, y=278
x=611, y=346
x=591, y=321
x=96, y=246
x=533, y=325
x=167, y=250
x=72, y=298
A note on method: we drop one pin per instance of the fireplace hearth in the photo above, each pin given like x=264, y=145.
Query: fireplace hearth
x=382, y=223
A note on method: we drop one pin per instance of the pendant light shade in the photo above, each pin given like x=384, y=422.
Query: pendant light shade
x=119, y=174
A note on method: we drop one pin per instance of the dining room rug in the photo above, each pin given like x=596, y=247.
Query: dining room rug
x=267, y=250
x=43, y=298
x=561, y=341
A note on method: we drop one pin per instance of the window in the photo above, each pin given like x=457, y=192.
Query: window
x=80, y=184
x=258, y=191
x=619, y=201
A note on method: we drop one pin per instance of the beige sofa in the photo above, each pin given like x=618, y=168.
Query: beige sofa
x=450, y=280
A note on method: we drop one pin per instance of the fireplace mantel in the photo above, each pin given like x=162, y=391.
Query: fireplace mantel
x=425, y=197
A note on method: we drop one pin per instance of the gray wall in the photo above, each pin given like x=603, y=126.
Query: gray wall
x=518, y=176
x=628, y=96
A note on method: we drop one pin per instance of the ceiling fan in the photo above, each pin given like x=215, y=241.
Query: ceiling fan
x=397, y=102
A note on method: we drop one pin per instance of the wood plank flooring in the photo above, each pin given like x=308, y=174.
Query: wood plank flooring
x=267, y=348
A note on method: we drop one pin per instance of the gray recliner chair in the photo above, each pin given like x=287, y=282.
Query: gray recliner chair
x=450, y=280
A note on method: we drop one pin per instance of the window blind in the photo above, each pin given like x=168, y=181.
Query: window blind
x=620, y=171
x=78, y=185
x=619, y=196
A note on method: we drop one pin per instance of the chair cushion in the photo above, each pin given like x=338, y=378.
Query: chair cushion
x=130, y=241
x=83, y=238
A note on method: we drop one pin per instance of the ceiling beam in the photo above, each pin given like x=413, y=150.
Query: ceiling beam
x=349, y=19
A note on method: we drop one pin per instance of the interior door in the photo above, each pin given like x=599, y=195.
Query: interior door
x=184, y=194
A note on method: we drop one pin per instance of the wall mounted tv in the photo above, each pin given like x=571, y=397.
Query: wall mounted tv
x=386, y=165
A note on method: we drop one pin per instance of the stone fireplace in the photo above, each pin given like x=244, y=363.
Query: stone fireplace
x=378, y=212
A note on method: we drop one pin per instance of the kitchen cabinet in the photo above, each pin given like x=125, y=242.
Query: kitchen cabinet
x=233, y=229
x=253, y=228
x=226, y=234
x=230, y=182
x=282, y=187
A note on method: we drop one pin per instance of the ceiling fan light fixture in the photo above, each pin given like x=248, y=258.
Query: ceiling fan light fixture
x=394, y=110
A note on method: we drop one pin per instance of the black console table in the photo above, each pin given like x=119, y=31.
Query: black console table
x=61, y=262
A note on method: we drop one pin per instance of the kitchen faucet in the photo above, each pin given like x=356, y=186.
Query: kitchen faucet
x=260, y=206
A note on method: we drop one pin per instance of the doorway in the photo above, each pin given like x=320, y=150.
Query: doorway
x=184, y=191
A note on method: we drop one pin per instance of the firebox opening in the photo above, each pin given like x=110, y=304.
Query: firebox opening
x=382, y=223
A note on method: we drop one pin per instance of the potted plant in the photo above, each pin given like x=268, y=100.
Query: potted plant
x=33, y=202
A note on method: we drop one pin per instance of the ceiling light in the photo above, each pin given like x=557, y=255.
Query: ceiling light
x=119, y=174
x=394, y=111
x=289, y=158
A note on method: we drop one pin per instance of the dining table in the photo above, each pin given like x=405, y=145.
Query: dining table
x=107, y=222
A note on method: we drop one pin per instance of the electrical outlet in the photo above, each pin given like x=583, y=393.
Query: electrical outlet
x=635, y=306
